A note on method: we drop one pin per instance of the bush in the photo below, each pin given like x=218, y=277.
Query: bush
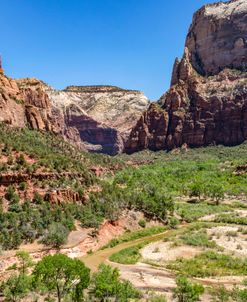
x=173, y=222
x=209, y=264
x=11, y=195
x=198, y=238
x=187, y=291
x=37, y=198
x=23, y=186
x=21, y=160
x=142, y=223
x=56, y=236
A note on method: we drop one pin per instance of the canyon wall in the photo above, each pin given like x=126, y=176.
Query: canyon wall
x=102, y=116
x=95, y=118
x=207, y=101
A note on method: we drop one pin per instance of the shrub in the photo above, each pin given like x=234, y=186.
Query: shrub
x=142, y=223
x=187, y=291
x=208, y=264
x=21, y=160
x=173, y=222
x=23, y=186
x=198, y=238
x=56, y=236
x=11, y=195
x=37, y=198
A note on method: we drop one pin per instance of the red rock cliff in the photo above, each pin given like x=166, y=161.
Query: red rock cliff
x=200, y=109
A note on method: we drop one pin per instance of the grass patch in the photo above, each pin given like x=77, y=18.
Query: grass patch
x=209, y=264
x=130, y=236
x=191, y=212
x=198, y=238
x=234, y=218
x=130, y=255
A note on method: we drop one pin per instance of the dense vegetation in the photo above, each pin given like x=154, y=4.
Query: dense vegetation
x=154, y=188
x=171, y=188
x=51, y=152
x=64, y=279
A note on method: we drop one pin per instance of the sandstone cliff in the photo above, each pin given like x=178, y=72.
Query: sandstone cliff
x=25, y=103
x=102, y=116
x=207, y=101
x=95, y=118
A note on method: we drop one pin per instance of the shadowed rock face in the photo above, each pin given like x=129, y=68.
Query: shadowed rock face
x=199, y=109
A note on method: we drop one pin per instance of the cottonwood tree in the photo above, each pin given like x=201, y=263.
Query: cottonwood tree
x=62, y=276
x=106, y=286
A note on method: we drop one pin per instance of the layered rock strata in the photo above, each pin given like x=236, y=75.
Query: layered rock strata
x=102, y=116
x=95, y=118
x=207, y=101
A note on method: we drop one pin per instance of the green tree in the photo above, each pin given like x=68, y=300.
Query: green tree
x=56, y=236
x=187, y=291
x=62, y=275
x=216, y=192
x=196, y=190
x=16, y=287
x=106, y=285
x=25, y=261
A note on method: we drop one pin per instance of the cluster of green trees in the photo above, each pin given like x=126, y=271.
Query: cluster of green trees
x=52, y=152
x=60, y=278
x=25, y=222
x=64, y=279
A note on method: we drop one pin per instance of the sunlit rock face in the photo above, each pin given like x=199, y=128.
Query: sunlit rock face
x=217, y=38
x=102, y=116
x=207, y=101
x=25, y=103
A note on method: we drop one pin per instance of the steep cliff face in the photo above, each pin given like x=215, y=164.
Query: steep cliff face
x=25, y=103
x=217, y=38
x=102, y=116
x=200, y=109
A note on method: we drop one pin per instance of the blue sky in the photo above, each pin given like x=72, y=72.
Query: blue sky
x=128, y=43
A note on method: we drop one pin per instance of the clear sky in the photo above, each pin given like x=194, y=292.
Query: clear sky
x=128, y=43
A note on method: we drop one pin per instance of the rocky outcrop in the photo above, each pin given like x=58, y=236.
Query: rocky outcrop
x=8, y=178
x=100, y=117
x=63, y=196
x=11, y=103
x=25, y=103
x=38, y=108
x=199, y=109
